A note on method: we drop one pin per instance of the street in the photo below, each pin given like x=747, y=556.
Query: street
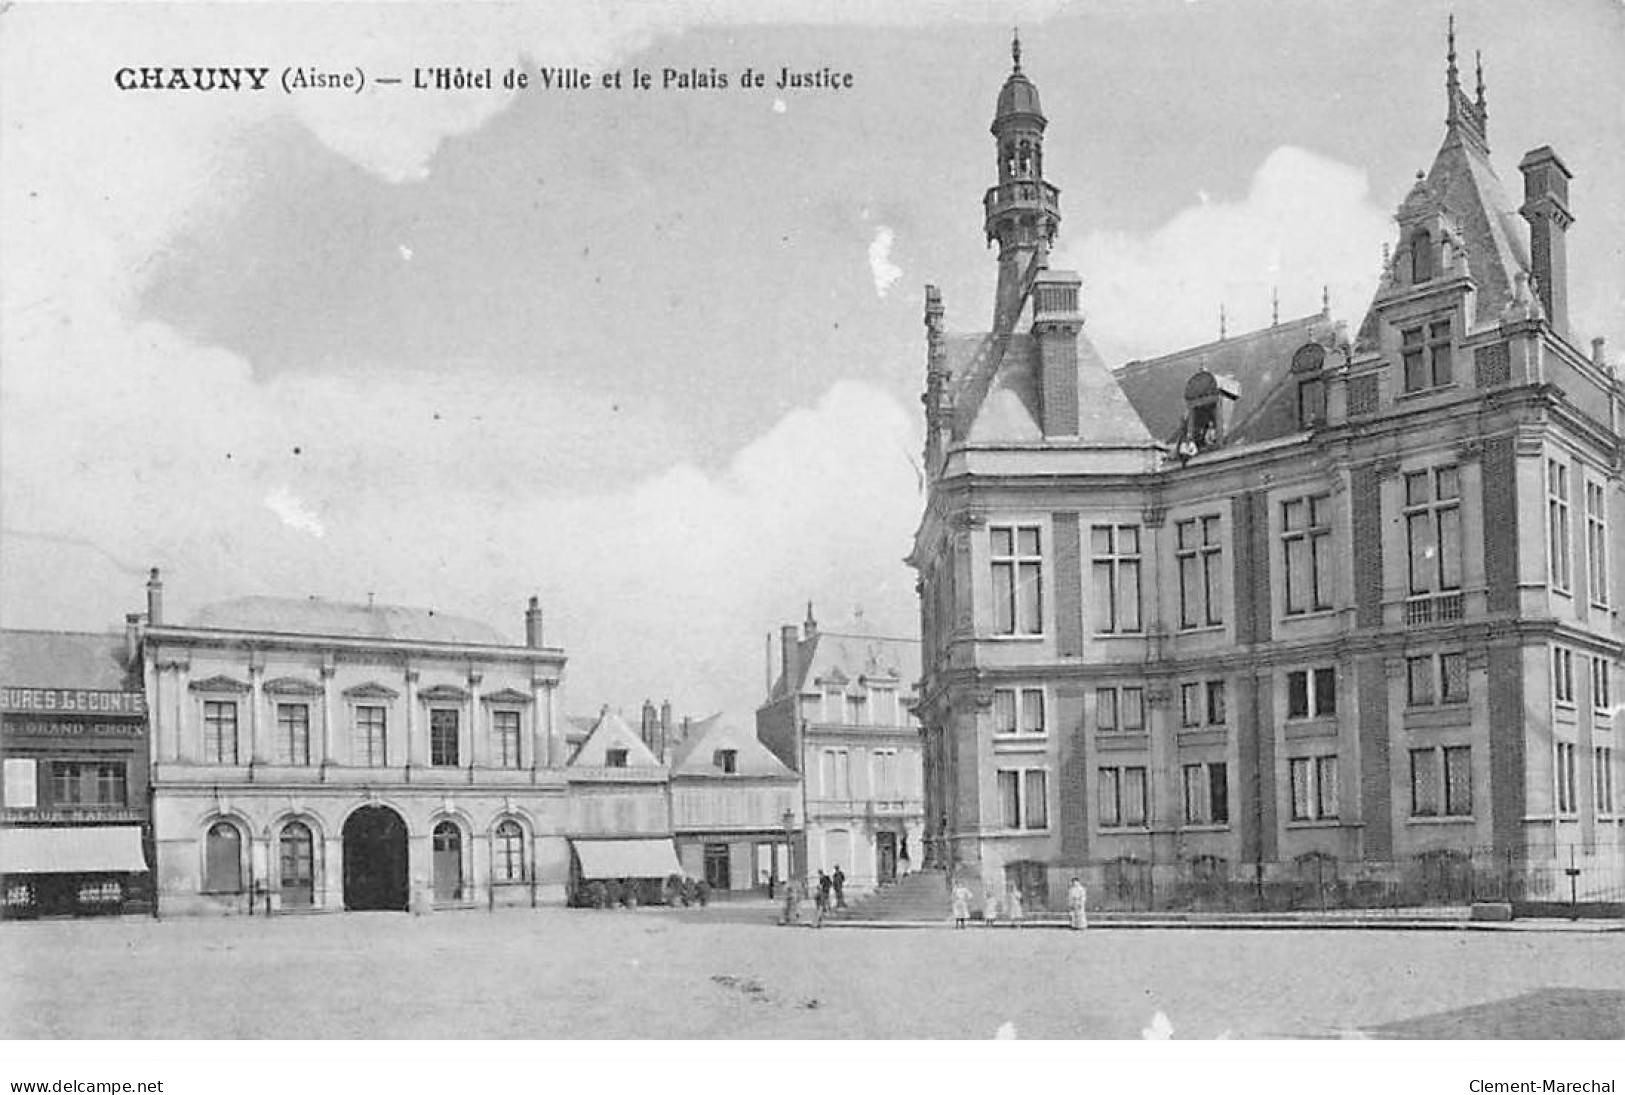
x=727, y=972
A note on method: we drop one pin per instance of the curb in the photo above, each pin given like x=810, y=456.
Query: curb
x=1152, y=924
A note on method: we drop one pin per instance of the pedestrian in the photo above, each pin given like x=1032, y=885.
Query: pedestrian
x=821, y=901
x=792, y=903
x=838, y=880
x=1077, y=901
x=1012, y=905
x=961, y=904
x=990, y=905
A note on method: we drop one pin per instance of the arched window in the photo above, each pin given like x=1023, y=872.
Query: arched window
x=1421, y=257
x=296, y=863
x=448, y=862
x=223, y=859
x=510, y=852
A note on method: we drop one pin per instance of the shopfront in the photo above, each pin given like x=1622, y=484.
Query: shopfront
x=73, y=803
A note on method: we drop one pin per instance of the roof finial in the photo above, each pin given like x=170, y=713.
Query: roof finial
x=1452, y=81
x=1221, y=321
x=1478, y=64
x=1015, y=48
x=1325, y=300
x=1275, y=305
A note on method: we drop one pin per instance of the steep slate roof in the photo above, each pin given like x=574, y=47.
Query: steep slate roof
x=314, y=616
x=857, y=650
x=695, y=757
x=64, y=659
x=996, y=388
x=612, y=732
x=1256, y=362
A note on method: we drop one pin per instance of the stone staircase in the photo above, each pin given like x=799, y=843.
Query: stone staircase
x=921, y=896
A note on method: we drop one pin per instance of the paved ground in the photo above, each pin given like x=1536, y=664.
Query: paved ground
x=724, y=972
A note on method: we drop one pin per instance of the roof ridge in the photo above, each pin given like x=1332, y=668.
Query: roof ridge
x=1229, y=340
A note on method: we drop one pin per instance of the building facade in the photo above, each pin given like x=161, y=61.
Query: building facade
x=735, y=808
x=840, y=714
x=1297, y=604
x=73, y=744
x=316, y=755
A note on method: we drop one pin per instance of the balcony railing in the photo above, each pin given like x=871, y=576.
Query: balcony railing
x=1433, y=608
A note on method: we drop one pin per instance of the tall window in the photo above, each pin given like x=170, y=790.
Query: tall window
x=1116, y=551
x=1567, y=803
x=1597, y=543
x=293, y=733
x=883, y=706
x=1421, y=257
x=223, y=859
x=1563, y=675
x=1306, y=540
x=1024, y=798
x=1436, y=678
x=1018, y=580
x=22, y=783
x=883, y=773
x=443, y=736
x=1201, y=572
x=1602, y=768
x=1207, y=794
x=1557, y=523
x=1442, y=782
x=1426, y=353
x=837, y=772
x=220, y=731
x=1602, y=685
x=1018, y=710
x=505, y=731
x=509, y=852
x=1201, y=703
x=1311, y=693
x=1120, y=709
x=1314, y=788
x=1311, y=403
x=1122, y=798
x=1433, y=529
x=370, y=735
x=87, y=783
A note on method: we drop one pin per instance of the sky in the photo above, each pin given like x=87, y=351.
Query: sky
x=655, y=356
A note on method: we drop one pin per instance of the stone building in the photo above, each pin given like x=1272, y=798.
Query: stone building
x=840, y=714
x=735, y=807
x=1299, y=604
x=312, y=754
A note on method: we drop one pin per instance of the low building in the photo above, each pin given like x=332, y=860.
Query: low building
x=734, y=808
x=841, y=714
x=73, y=736
x=307, y=754
x=619, y=816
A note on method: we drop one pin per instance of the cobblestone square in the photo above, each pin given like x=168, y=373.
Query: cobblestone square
x=728, y=972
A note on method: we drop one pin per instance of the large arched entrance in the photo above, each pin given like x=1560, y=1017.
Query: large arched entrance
x=375, y=859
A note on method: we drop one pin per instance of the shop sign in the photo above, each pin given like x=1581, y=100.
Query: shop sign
x=72, y=701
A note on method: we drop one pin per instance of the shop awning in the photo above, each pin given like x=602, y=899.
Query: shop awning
x=71, y=851
x=655, y=858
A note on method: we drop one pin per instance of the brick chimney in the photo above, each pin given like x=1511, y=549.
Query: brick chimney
x=155, y=599
x=1546, y=208
x=647, y=728
x=533, y=624
x=790, y=657
x=1056, y=323
x=133, y=627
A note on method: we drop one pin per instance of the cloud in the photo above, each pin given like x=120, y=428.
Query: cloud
x=1305, y=222
x=294, y=513
x=881, y=267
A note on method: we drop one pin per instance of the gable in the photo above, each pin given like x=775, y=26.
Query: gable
x=612, y=732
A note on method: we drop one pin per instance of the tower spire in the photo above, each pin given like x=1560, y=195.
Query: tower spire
x=1464, y=118
x=1022, y=210
x=1015, y=49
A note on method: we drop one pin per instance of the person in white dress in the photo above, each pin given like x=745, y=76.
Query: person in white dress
x=990, y=905
x=1077, y=903
x=961, y=903
x=1012, y=905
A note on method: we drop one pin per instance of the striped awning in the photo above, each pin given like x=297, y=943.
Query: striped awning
x=58, y=850
x=655, y=858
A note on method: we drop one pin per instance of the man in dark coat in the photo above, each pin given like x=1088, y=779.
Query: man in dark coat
x=838, y=880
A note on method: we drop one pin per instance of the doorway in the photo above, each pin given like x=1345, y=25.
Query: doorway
x=296, y=866
x=886, y=857
x=717, y=875
x=448, y=862
x=375, y=859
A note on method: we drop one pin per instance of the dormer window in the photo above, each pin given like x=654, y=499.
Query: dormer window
x=614, y=758
x=1425, y=351
x=1307, y=365
x=1205, y=425
x=1421, y=257
x=726, y=760
x=1207, y=410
